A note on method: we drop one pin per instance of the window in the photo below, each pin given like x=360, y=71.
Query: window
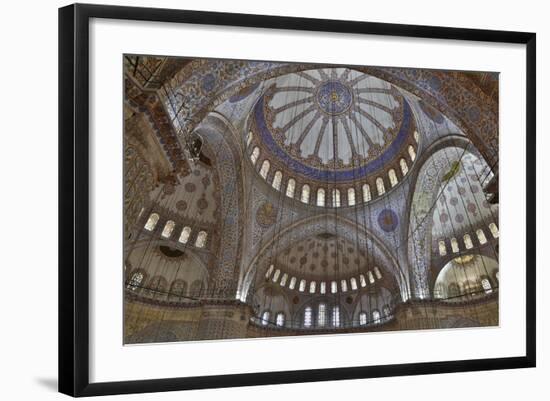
x=312, y=287
x=320, y=197
x=152, y=222
x=336, y=316
x=454, y=245
x=201, y=239
x=280, y=320
x=322, y=315
x=249, y=138
x=269, y=271
x=351, y=196
x=283, y=280
x=404, y=167
x=363, y=318
x=371, y=277
x=377, y=273
x=323, y=287
x=353, y=283
x=335, y=198
x=168, y=229
x=307, y=317
x=292, y=284
x=305, y=194
x=393, y=177
x=157, y=286
x=178, y=289
x=196, y=288
x=333, y=287
x=416, y=136
x=135, y=281
x=412, y=153
x=302, y=286
x=468, y=241
x=362, y=280
x=344, y=285
x=386, y=310
x=265, y=169
x=290, y=187
x=184, y=236
x=486, y=284
x=277, y=178
x=366, y=193
x=255, y=154
x=494, y=230
x=376, y=316
x=380, y=186
x=442, y=248
x=265, y=317
x=276, y=275
x=481, y=236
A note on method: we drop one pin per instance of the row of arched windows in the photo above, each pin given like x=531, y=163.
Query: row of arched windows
x=168, y=230
x=467, y=240
x=279, y=318
x=323, y=287
x=157, y=287
x=321, y=195
x=468, y=287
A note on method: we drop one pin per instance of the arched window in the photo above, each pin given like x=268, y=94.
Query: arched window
x=277, y=178
x=276, y=275
x=344, y=285
x=376, y=316
x=481, y=236
x=468, y=241
x=196, y=288
x=283, y=280
x=363, y=318
x=442, y=248
x=323, y=287
x=351, y=196
x=280, y=320
x=454, y=245
x=371, y=277
x=265, y=317
x=416, y=136
x=290, y=187
x=178, y=289
x=307, y=316
x=336, y=316
x=302, y=286
x=254, y=155
x=269, y=271
x=312, y=286
x=265, y=169
x=386, y=310
x=305, y=194
x=184, y=236
x=377, y=272
x=494, y=230
x=135, y=281
x=201, y=239
x=366, y=193
x=412, y=153
x=152, y=222
x=362, y=280
x=320, y=197
x=393, y=177
x=380, y=186
x=404, y=167
x=322, y=315
x=157, y=286
x=486, y=284
x=335, y=198
x=292, y=284
x=168, y=229
x=249, y=138
x=333, y=287
x=353, y=283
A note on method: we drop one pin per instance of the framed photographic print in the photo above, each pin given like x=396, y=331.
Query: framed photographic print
x=251, y=199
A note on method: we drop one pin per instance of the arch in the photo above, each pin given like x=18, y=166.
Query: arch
x=335, y=197
x=412, y=153
x=264, y=170
x=290, y=187
x=392, y=177
x=404, y=167
x=277, y=179
x=380, y=188
x=366, y=193
x=255, y=155
x=321, y=197
x=168, y=229
x=201, y=239
x=305, y=194
x=351, y=196
x=185, y=234
x=152, y=221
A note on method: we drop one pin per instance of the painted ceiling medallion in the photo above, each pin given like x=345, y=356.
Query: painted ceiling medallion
x=334, y=98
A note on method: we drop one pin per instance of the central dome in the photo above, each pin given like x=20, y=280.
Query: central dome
x=332, y=124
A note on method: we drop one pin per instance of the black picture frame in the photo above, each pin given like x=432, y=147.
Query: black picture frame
x=74, y=194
